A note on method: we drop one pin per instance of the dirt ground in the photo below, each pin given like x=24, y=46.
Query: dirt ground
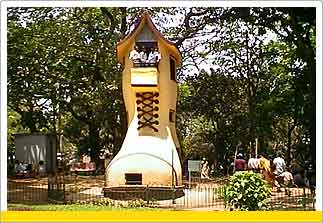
x=201, y=194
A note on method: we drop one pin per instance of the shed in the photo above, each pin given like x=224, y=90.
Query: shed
x=35, y=147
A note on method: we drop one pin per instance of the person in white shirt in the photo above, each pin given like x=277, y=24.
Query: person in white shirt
x=134, y=55
x=253, y=164
x=280, y=165
x=143, y=55
x=154, y=56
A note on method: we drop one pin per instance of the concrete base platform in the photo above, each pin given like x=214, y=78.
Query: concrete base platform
x=143, y=192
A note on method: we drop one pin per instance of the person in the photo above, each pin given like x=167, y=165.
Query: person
x=284, y=180
x=143, y=56
x=205, y=169
x=134, y=55
x=86, y=158
x=154, y=56
x=253, y=164
x=21, y=168
x=16, y=166
x=279, y=169
x=29, y=167
x=279, y=164
x=286, y=177
x=310, y=177
x=299, y=178
x=41, y=169
x=240, y=164
x=265, y=168
x=294, y=166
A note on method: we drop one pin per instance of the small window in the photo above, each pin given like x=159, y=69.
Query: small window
x=172, y=69
x=133, y=178
x=171, y=115
x=145, y=54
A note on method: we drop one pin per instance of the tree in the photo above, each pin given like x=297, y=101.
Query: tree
x=214, y=110
x=296, y=27
x=275, y=74
x=65, y=60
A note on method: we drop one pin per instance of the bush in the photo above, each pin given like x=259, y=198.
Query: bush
x=139, y=203
x=136, y=203
x=247, y=191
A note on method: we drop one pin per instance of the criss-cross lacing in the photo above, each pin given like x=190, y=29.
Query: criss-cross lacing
x=146, y=109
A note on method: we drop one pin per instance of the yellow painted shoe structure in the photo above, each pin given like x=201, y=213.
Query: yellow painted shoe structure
x=149, y=154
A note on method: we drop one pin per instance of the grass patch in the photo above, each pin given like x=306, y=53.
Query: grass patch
x=73, y=207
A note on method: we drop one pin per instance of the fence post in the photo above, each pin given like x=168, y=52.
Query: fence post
x=224, y=198
x=64, y=198
x=146, y=194
x=173, y=195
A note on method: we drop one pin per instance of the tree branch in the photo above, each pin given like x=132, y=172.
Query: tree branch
x=109, y=21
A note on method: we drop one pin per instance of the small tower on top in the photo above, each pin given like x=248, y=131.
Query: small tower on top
x=148, y=155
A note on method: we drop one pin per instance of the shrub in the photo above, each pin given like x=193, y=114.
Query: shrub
x=136, y=203
x=247, y=191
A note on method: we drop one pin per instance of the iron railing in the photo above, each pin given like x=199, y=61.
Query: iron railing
x=207, y=194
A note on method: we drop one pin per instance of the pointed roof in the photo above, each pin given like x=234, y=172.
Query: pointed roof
x=145, y=19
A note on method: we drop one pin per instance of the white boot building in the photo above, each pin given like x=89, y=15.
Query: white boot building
x=148, y=156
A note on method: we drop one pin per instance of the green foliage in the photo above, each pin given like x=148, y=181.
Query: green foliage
x=247, y=191
x=62, y=69
x=136, y=203
x=271, y=95
x=112, y=203
x=81, y=206
x=252, y=75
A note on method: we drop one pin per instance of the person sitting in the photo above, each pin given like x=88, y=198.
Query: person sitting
x=17, y=166
x=135, y=56
x=21, y=167
x=41, y=169
x=29, y=167
x=154, y=57
x=240, y=164
x=286, y=178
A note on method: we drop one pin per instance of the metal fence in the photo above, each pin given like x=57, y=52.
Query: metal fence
x=204, y=194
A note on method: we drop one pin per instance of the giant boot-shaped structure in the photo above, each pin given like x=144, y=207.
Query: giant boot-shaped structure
x=149, y=154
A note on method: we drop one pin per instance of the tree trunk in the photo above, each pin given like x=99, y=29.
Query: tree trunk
x=289, y=142
x=123, y=28
x=94, y=142
x=221, y=158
